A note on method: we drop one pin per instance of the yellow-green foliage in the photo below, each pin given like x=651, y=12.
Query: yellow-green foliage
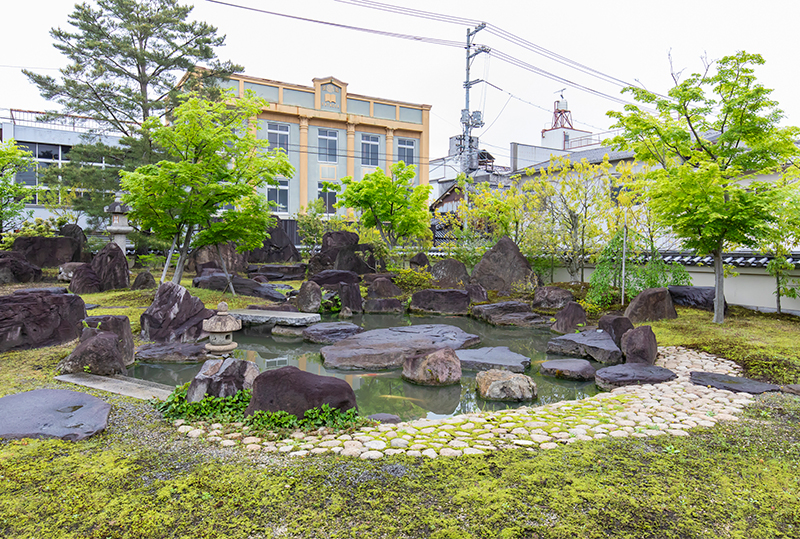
x=23, y=370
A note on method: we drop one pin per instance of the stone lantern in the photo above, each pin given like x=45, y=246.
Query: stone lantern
x=220, y=328
x=119, y=228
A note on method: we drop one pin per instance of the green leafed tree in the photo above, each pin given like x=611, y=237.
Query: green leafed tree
x=13, y=159
x=210, y=191
x=716, y=139
x=390, y=204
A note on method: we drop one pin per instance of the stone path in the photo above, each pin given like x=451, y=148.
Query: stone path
x=672, y=408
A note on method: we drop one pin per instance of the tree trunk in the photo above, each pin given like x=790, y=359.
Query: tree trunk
x=168, y=261
x=719, y=286
x=225, y=269
x=182, y=258
x=778, y=291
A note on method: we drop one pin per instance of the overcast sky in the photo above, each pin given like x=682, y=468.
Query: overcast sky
x=626, y=39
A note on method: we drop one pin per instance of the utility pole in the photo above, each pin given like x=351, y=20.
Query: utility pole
x=470, y=119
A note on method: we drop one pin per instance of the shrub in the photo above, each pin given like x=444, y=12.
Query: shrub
x=411, y=280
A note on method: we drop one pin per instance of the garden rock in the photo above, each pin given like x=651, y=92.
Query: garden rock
x=34, y=318
x=596, y=345
x=477, y=293
x=84, y=280
x=551, y=297
x=48, y=252
x=172, y=353
x=497, y=385
x=569, y=318
x=309, y=299
x=419, y=262
x=174, y=316
x=52, y=413
x=280, y=307
x=121, y=327
x=222, y=378
x=277, y=247
x=615, y=325
x=639, y=346
x=97, y=353
x=66, y=270
x=370, y=278
x=356, y=258
x=631, y=374
x=15, y=269
x=570, y=369
x=234, y=262
x=501, y=267
x=330, y=332
x=111, y=268
x=731, y=383
x=438, y=368
x=294, y=391
x=144, y=281
x=507, y=313
x=388, y=419
x=434, y=301
x=387, y=305
x=283, y=272
x=450, y=273
x=383, y=288
x=699, y=297
x=246, y=287
x=389, y=348
x=334, y=277
x=651, y=305
x=350, y=298
x=492, y=357
x=71, y=230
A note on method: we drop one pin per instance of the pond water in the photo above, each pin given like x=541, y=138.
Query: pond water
x=385, y=391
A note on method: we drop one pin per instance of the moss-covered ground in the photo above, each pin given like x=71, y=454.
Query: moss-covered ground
x=140, y=479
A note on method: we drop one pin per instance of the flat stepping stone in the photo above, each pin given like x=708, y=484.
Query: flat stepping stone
x=597, y=345
x=330, y=332
x=508, y=313
x=173, y=352
x=570, y=369
x=631, y=374
x=493, y=357
x=257, y=316
x=731, y=383
x=52, y=413
x=120, y=385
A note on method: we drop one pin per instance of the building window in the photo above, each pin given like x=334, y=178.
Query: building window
x=279, y=194
x=278, y=136
x=405, y=150
x=328, y=145
x=369, y=150
x=328, y=197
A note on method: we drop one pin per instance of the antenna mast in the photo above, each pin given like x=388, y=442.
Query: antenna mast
x=470, y=119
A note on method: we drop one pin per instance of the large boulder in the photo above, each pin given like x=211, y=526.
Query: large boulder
x=569, y=318
x=234, y=262
x=419, y=262
x=639, y=346
x=334, y=277
x=294, y=391
x=384, y=305
x=596, y=345
x=277, y=247
x=570, y=369
x=631, y=374
x=383, y=288
x=492, y=357
x=144, y=281
x=350, y=297
x=121, y=327
x=71, y=230
x=477, y=293
x=507, y=313
x=615, y=325
x=111, y=268
x=84, y=280
x=450, y=273
x=438, y=368
x=98, y=353
x=651, y=305
x=309, y=299
x=336, y=239
x=174, y=316
x=280, y=272
x=434, y=301
x=52, y=413
x=66, y=270
x=699, y=297
x=497, y=385
x=15, y=269
x=389, y=348
x=359, y=259
x=48, y=252
x=34, y=318
x=501, y=267
x=222, y=378
x=243, y=286
x=330, y=332
x=551, y=297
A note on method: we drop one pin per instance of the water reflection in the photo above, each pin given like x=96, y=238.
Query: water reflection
x=386, y=392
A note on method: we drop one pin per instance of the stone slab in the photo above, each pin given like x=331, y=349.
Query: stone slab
x=52, y=413
x=731, y=383
x=571, y=369
x=120, y=385
x=257, y=316
x=492, y=357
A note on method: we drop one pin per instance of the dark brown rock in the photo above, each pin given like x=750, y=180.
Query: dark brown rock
x=277, y=247
x=48, y=252
x=350, y=297
x=71, y=230
x=320, y=262
x=222, y=378
x=66, y=270
x=450, y=273
x=419, y=262
x=639, y=346
x=438, y=368
x=698, y=297
x=330, y=332
x=651, y=305
x=172, y=353
x=615, y=325
x=243, y=286
x=569, y=318
x=121, y=327
x=508, y=313
x=174, y=316
x=596, y=345
x=370, y=278
x=144, y=281
x=234, y=262
x=477, y=293
x=84, y=280
x=294, y=391
x=97, y=353
x=52, y=413
x=334, y=277
x=435, y=301
x=15, y=269
x=501, y=267
x=337, y=239
x=309, y=299
x=570, y=369
x=283, y=272
x=631, y=374
x=35, y=318
x=356, y=258
x=383, y=288
x=551, y=297
x=111, y=268
x=386, y=305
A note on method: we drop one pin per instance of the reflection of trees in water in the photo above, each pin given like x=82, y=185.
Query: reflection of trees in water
x=384, y=394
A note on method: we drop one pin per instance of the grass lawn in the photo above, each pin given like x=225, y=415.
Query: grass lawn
x=140, y=479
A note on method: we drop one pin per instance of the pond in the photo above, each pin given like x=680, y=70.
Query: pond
x=385, y=391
